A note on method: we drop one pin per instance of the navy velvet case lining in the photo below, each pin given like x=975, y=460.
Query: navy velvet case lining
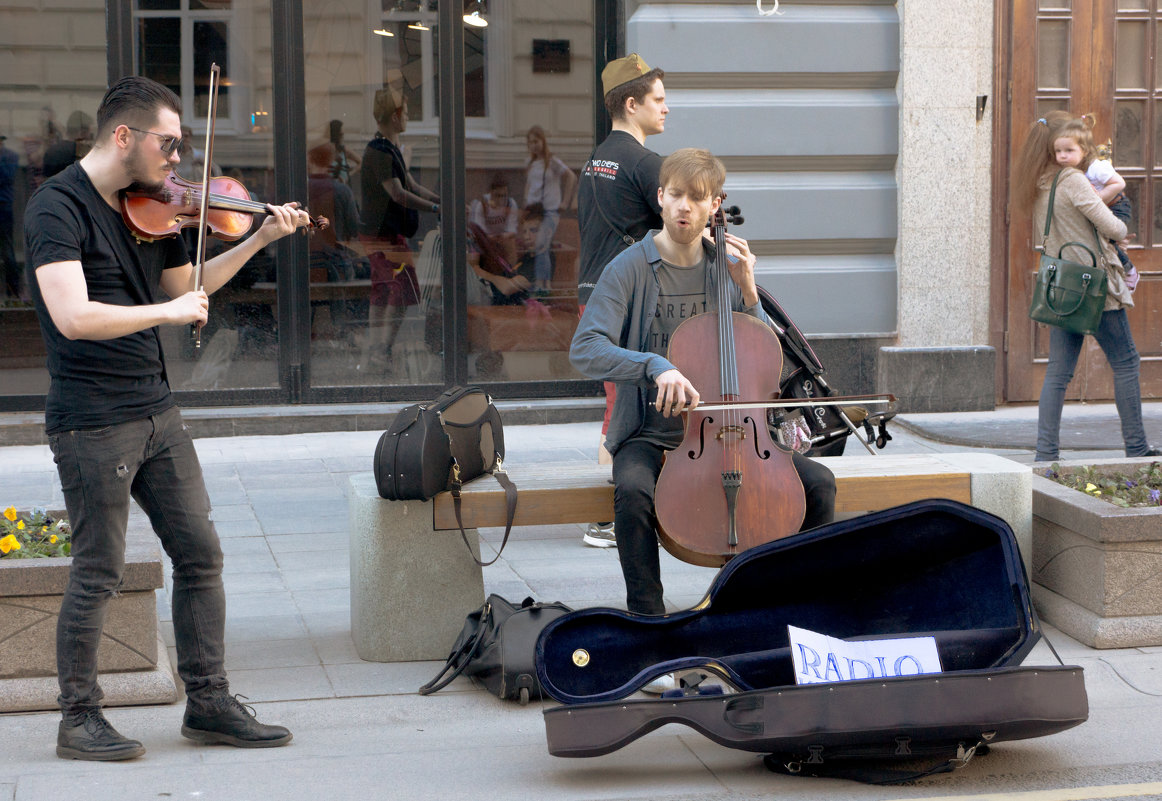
x=935, y=567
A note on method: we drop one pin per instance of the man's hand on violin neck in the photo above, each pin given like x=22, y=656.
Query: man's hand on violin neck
x=675, y=394
x=283, y=220
x=191, y=307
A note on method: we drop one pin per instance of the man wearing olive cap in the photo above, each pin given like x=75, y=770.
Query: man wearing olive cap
x=618, y=194
x=617, y=197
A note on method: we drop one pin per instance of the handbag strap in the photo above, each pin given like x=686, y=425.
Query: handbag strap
x=459, y=659
x=501, y=475
x=1049, y=218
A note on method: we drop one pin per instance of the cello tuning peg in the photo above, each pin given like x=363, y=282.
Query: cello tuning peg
x=738, y=219
x=733, y=210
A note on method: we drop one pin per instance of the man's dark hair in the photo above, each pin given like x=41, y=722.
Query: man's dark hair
x=638, y=88
x=135, y=101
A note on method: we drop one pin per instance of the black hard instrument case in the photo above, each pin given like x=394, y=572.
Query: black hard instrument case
x=931, y=568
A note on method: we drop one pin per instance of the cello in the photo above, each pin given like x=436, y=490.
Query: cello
x=729, y=486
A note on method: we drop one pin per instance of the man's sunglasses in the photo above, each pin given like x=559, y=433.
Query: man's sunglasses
x=168, y=143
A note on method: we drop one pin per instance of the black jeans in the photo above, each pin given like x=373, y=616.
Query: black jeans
x=153, y=460
x=636, y=466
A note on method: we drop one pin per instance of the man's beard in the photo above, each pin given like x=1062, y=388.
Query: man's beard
x=684, y=236
x=141, y=178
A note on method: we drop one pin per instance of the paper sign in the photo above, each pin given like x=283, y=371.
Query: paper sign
x=819, y=658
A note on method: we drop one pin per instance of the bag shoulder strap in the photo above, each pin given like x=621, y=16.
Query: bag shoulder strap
x=501, y=475
x=1049, y=217
x=622, y=235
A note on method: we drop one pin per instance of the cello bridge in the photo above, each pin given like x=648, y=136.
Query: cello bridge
x=740, y=431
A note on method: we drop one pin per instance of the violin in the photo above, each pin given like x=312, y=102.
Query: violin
x=177, y=203
x=729, y=486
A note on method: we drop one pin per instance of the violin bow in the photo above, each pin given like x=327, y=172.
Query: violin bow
x=791, y=403
x=203, y=229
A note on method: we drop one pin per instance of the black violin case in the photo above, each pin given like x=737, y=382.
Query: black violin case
x=931, y=568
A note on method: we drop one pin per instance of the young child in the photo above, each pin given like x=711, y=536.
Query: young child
x=1074, y=147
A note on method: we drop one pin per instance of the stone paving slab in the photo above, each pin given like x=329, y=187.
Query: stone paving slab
x=1083, y=427
x=362, y=732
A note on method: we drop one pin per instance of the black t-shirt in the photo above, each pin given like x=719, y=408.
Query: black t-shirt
x=622, y=176
x=382, y=216
x=97, y=383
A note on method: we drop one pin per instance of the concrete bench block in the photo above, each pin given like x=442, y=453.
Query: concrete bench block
x=411, y=587
x=1004, y=488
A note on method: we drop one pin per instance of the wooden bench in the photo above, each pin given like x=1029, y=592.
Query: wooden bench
x=571, y=492
x=412, y=580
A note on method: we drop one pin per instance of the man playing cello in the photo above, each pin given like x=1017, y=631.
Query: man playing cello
x=639, y=301
x=111, y=420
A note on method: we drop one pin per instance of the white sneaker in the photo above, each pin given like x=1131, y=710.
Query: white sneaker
x=600, y=535
x=661, y=684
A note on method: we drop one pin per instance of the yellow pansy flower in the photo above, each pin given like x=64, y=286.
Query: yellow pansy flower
x=1090, y=487
x=20, y=525
x=10, y=513
x=52, y=539
x=9, y=544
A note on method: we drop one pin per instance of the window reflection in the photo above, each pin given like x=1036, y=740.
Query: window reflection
x=377, y=301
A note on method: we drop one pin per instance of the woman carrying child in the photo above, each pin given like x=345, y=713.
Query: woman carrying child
x=1052, y=150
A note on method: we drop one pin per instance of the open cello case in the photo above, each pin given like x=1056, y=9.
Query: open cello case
x=932, y=568
x=829, y=426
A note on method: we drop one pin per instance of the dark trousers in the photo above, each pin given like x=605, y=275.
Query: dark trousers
x=636, y=466
x=153, y=460
x=1123, y=211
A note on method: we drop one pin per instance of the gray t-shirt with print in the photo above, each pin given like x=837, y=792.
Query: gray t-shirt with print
x=681, y=295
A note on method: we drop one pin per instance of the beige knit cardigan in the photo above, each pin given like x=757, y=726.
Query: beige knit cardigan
x=1075, y=206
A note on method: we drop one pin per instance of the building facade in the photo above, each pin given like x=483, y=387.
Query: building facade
x=866, y=141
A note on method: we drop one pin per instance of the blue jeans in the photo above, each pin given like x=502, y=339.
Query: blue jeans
x=1117, y=343
x=636, y=466
x=153, y=460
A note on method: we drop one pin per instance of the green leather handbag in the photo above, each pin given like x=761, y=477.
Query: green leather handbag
x=1067, y=294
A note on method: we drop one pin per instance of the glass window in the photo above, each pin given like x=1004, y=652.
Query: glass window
x=521, y=187
x=378, y=305
x=1132, y=68
x=45, y=127
x=1052, y=54
x=176, y=42
x=1128, y=119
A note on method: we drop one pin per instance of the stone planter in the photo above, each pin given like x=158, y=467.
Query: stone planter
x=133, y=664
x=1097, y=567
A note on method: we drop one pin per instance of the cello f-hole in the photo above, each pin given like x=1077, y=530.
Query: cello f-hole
x=763, y=453
x=706, y=421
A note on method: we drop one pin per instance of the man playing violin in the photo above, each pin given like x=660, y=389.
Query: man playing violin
x=111, y=420
x=639, y=301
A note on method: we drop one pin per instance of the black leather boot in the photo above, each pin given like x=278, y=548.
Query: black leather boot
x=231, y=722
x=94, y=738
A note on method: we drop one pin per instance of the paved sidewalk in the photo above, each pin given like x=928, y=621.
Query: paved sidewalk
x=361, y=731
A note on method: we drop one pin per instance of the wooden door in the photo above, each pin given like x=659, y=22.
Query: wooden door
x=1099, y=57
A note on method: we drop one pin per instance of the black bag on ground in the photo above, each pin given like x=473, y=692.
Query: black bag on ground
x=496, y=646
